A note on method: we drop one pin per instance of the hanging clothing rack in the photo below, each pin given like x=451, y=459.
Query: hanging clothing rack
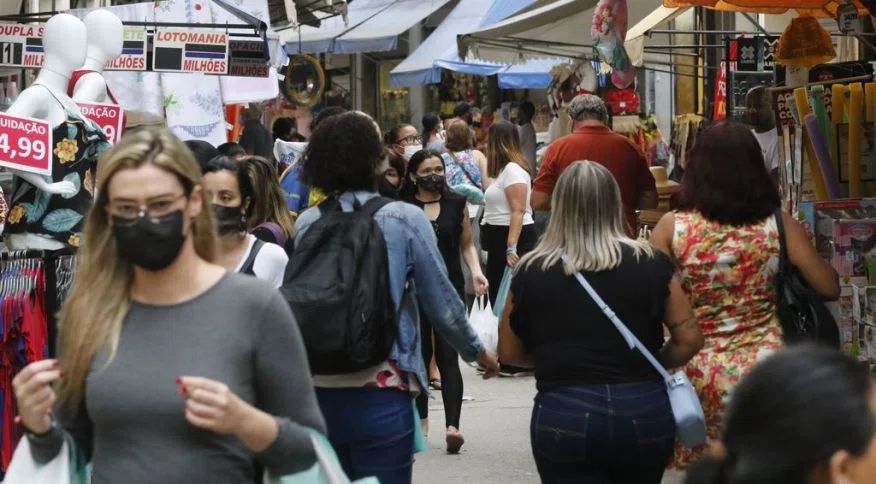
x=33, y=283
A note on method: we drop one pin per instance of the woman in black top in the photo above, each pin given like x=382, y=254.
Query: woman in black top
x=601, y=413
x=426, y=187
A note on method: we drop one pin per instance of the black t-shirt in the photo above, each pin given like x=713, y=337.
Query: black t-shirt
x=448, y=230
x=572, y=341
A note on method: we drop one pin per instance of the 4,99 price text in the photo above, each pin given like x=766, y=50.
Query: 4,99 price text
x=25, y=148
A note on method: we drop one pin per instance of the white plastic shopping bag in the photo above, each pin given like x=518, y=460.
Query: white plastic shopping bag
x=484, y=322
x=65, y=468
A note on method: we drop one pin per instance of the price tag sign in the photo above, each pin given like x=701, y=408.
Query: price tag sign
x=108, y=116
x=847, y=19
x=25, y=144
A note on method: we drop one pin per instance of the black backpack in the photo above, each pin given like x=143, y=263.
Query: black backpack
x=337, y=284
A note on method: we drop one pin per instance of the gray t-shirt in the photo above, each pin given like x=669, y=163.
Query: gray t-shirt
x=240, y=332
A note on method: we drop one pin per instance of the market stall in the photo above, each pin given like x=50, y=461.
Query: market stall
x=187, y=101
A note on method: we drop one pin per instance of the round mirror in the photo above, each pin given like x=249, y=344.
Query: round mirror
x=304, y=81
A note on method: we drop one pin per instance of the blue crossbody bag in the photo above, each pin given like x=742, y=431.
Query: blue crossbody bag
x=689, y=419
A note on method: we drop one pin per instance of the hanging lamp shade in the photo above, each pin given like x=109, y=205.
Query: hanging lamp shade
x=817, y=8
x=804, y=43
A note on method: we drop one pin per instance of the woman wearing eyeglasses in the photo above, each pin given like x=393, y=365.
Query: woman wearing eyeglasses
x=171, y=369
x=405, y=140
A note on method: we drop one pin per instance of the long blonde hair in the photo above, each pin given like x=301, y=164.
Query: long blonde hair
x=267, y=204
x=91, y=319
x=586, y=228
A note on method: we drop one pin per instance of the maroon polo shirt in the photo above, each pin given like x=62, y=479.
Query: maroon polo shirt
x=599, y=144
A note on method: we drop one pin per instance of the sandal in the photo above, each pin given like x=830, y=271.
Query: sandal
x=454, y=441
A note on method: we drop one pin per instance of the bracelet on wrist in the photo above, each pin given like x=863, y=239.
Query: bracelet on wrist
x=35, y=436
x=511, y=250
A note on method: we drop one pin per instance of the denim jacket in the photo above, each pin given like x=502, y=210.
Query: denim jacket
x=416, y=274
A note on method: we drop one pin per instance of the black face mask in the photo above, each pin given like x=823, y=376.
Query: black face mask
x=152, y=244
x=387, y=189
x=431, y=183
x=228, y=219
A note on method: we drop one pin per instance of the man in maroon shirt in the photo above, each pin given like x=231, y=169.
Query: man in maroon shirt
x=592, y=140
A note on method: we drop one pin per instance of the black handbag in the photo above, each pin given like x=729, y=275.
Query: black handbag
x=802, y=312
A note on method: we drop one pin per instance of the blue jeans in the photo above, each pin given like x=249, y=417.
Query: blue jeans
x=603, y=434
x=372, y=430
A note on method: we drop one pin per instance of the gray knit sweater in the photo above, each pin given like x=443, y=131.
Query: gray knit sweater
x=133, y=427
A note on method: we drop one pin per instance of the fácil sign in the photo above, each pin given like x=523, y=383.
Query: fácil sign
x=190, y=51
x=133, y=56
x=108, y=116
x=21, y=45
x=248, y=59
x=25, y=144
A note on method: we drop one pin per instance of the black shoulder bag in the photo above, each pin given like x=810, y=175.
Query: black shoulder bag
x=802, y=312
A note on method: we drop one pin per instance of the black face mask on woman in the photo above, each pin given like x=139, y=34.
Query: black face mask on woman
x=150, y=243
x=228, y=219
x=431, y=183
x=387, y=189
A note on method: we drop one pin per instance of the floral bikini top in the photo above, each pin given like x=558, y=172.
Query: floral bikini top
x=78, y=143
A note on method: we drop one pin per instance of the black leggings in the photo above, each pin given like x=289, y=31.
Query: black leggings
x=495, y=240
x=451, y=378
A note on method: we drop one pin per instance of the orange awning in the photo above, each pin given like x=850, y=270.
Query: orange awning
x=818, y=8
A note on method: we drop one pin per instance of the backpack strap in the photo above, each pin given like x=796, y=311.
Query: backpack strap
x=275, y=230
x=372, y=206
x=248, y=265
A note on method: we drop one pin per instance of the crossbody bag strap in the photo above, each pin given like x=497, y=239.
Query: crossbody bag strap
x=464, y=170
x=783, y=247
x=784, y=260
x=628, y=335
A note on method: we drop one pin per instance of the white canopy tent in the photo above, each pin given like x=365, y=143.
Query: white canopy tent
x=560, y=28
x=637, y=34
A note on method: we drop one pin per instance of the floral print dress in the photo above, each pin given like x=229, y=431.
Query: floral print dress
x=77, y=145
x=729, y=274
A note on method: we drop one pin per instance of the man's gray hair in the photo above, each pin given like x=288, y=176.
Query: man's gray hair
x=588, y=106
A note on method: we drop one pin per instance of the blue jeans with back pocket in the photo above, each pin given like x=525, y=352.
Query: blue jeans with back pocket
x=603, y=434
x=372, y=431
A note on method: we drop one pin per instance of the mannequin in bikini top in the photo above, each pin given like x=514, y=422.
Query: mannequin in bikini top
x=105, y=42
x=64, y=44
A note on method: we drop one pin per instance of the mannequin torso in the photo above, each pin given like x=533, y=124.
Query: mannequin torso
x=105, y=43
x=64, y=43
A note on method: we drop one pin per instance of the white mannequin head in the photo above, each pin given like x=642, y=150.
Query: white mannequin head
x=64, y=44
x=105, y=37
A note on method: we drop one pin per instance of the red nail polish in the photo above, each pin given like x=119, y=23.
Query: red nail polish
x=179, y=380
x=60, y=374
x=56, y=364
x=184, y=390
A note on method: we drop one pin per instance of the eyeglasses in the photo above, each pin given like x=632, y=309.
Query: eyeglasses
x=129, y=212
x=413, y=139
